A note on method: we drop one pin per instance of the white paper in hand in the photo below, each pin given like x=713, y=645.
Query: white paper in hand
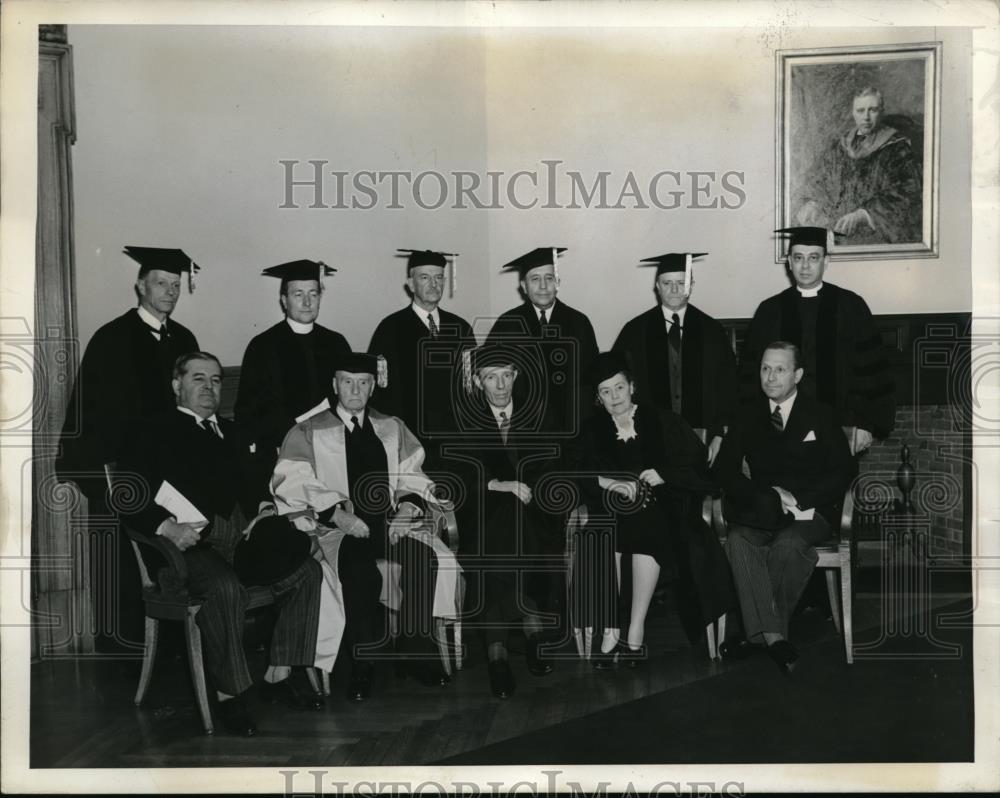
x=177, y=504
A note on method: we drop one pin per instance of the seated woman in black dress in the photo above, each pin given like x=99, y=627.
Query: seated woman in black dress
x=644, y=480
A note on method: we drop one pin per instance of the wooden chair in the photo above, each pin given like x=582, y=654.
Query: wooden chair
x=167, y=599
x=446, y=528
x=834, y=558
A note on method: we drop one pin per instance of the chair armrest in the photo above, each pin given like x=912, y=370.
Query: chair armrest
x=446, y=526
x=169, y=552
x=718, y=521
x=847, y=514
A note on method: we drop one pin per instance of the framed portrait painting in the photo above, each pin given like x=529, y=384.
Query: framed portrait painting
x=858, y=147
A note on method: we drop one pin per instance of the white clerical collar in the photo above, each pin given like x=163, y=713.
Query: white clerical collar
x=668, y=313
x=808, y=293
x=198, y=418
x=154, y=323
x=547, y=311
x=345, y=416
x=298, y=327
x=508, y=410
x=786, y=406
x=423, y=314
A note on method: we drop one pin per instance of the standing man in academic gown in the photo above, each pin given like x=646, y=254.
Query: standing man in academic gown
x=843, y=358
x=561, y=348
x=567, y=344
x=124, y=379
x=423, y=345
x=288, y=369
x=681, y=357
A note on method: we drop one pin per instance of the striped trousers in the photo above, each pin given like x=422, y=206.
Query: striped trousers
x=771, y=569
x=223, y=609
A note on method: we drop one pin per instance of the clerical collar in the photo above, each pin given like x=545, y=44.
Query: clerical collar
x=154, y=323
x=668, y=313
x=509, y=410
x=423, y=314
x=786, y=406
x=345, y=416
x=547, y=311
x=298, y=327
x=198, y=418
x=809, y=293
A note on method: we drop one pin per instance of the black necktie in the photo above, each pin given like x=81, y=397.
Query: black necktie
x=674, y=333
x=432, y=326
x=504, y=426
x=542, y=320
x=209, y=426
x=354, y=424
x=776, y=420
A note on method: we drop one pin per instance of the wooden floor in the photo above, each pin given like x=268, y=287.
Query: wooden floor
x=82, y=713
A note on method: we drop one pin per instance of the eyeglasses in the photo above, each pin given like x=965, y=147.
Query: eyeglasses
x=814, y=259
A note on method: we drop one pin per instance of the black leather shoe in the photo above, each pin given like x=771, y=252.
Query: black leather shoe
x=603, y=661
x=736, y=649
x=501, y=679
x=429, y=674
x=784, y=655
x=536, y=665
x=285, y=692
x=360, y=687
x=235, y=717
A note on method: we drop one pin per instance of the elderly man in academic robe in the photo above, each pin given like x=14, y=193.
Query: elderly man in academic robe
x=680, y=356
x=287, y=369
x=423, y=346
x=843, y=359
x=352, y=476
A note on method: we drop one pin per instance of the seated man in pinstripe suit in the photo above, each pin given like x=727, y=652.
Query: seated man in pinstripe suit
x=191, y=452
x=800, y=466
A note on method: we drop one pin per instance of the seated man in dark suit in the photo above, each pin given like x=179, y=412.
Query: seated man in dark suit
x=800, y=466
x=502, y=520
x=190, y=453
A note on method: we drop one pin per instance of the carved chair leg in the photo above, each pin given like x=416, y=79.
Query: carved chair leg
x=457, y=633
x=192, y=636
x=713, y=651
x=846, y=594
x=313, y=679
x=441, y=638
x=325, y=678
x=148, y=658
x=831, y=589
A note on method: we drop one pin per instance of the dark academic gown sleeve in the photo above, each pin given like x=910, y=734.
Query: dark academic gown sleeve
x=123, y=379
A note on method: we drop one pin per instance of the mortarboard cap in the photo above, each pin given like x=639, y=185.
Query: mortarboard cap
x=542, y=256
x=357, y=363
x=806, y=236
x=428, y=257
x=299, y=270
x=174, y=261
x=607, y=365
x=674, y=262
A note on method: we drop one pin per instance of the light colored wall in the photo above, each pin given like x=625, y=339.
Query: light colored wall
x=180, y=131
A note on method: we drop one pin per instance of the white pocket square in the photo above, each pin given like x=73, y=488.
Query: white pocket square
x=810, y=436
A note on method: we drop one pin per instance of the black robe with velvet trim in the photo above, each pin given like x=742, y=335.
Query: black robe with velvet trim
x=708, y=367
x=851, y=372
x=283, y=375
